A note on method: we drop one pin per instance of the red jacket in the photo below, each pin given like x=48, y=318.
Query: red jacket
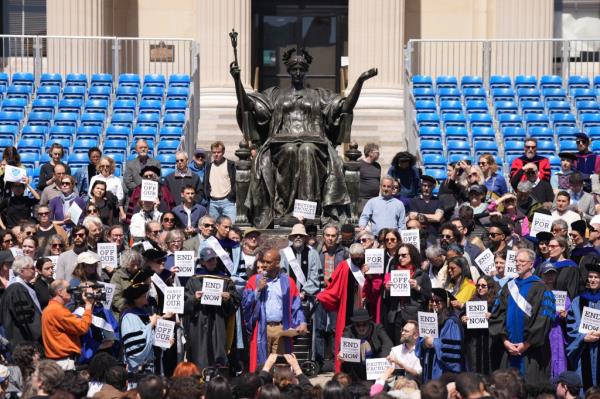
x=542, y=163
x=167, y=203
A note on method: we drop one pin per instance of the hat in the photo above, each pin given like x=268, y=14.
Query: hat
x=579, y=226
x=570, y=378
x=88, y=257
x=154, y=254
x=544, y=236
x=430, y=179
x=6, y=257
x=478, y=189
x=135, y=291
x=442, y=294
x=199, y=151
x=141, y=276
x=567, y=155
x=595, y=220
x=4, y=373
x=298, y=229
x=582, y=136
x=592, y=267
x=547, y=267
x=360, y=315
x=150, y=168
x=207, y=254
x=250, y=231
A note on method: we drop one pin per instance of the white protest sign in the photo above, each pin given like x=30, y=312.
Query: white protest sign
x=185, y=262
x=53, y=259
x=149, y=190
x=400, y=285
x=108, y=254
x=350, y=350
x=16, y=252
x=510, y=266
x=540, y=223
x=560, y=298
x=374, y=259
x=173, y=300
x=14, y=174
x=411, y=237
x=163, y=333
x=304, y=209
x=110, y=293
x=428, y=324
x=74, y=212
x=162, y=286
x=376, y=367
x=212, y=288
x=476, y=311
x=590, y=320
x=485, y=261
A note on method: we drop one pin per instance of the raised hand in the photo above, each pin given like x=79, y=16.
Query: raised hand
x=234, y=70
x=368, y=74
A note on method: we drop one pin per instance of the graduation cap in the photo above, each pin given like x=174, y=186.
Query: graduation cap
x=141, y=276
x=544, y=236
x=593, y=268
x=443, y=295
x=154, y=254
x=134, y=291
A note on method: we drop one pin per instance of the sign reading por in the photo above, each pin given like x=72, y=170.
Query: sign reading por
x=376, y=367
x=476, y=311
x=164, y=333
x=399, y=283
x=212, y=288
x=304, y=209
x=590, y=320
x=374, y=259
x=350, y=350
x=485, y=261
x=108, y=255
x=540, y=223
x=428, y=324
x=411, y=237
x=173, y=302
x=185, y=262
x=149, y=190
x=560, y=298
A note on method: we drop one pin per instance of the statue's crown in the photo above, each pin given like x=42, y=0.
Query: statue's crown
x=296, y=56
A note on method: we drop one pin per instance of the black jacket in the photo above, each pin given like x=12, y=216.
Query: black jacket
x=230, y=170
x=176, y=184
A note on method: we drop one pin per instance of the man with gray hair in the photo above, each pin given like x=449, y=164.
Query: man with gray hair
x=20, y=310
x=384, y=210
x=206, y=229
x=182, y=176
x=436, y=257
x=95, y=229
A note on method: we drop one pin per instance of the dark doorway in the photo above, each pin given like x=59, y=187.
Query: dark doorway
x=321, y=28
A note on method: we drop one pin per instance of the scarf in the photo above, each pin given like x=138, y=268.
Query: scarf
x=66, y=201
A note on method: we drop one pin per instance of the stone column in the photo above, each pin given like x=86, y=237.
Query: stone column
x=375, y=39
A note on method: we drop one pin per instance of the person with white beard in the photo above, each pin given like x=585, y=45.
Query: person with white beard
x=301, y=262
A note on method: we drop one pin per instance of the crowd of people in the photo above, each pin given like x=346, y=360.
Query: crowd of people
x=143, y=286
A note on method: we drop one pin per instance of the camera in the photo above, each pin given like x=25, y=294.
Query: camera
x=97, y=295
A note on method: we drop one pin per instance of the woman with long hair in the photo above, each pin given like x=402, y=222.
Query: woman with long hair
x=567, y=278
x=105, y=203
x=459, y=281
x=114, y=185
x=55, y=246
x=494, y=181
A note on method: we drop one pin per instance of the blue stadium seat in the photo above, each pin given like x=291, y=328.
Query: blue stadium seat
x=183, y=93
x=458, y=147
x=419, y=93
x=432, y=161
x=525, y=82
x=151, y=107
x=456, y=120
x=51, y=79
x=65, y=143
x=551, y=82
x=438, y=174
x=28, y=159
x=454, y=158
x=563, y=120
x=597, y=82
x=457, y=133
x=507, y=94
x=182, y=80
x=587, y=107
x=152, y=93
x=566, y=133
x=76, y=79
x=9, y=132
x=14, y=105
x=127, y=93
x=96, y=106
x=567, y=146
x=4, y=81
x=115, y=132
x=539, y=120
x=425, y=107
x=168, y=146
x=471, y=82
x=589, y=120
x=23, y=79
x=541, y=133
x=34, y=132
x=40, y=119
x=92, y=119
x=506, y=107
x=474, y=95
x=546, y=148
x=558, y=107
x=513, y=148
x=532, y=107
x=595, y=147
x=529, y=95
x=45, y=157
x=115, y=147
x=480, y=120
x=500, y=82
x=175, y=133
x=44, y=105
x=155, y=80
x=178, y=120
x=70, y=105
x=583, y=95
x=554, y=94
x=30, y=145
x=22, y=91
x=84, y=145
x=554, y=162
x=74, y=93
x=431, y=147
x=447, y=95
x=151, y=120
x=61, y=132
x=118, y=158
x=418, y=81
x=11, y=118
x=48, y=92
x=446, y=107
x=483, y=134
x=510, y=120
x=476, y=107
x=101, y=80
x=124, y=107
x=578, y=82
x=513, y=134
x=130, y=80
x=100, y=93
x=425, y=132
x=485, y=147
x=143, y=132
x=180, y=107
x=78, y=160
x=89, y=132
x=446, y=82
x=593, y=132
x=66, y=119
x=123, y=120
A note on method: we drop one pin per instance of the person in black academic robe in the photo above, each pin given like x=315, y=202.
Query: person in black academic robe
x=205, y=326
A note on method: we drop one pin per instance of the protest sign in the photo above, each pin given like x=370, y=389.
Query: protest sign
x=376, y=367
x=109, y=288
x=108, y=255
x=212, y=288
x=485, y=261
x=540, y=223
x=14, y=174
x=164, y=332
x=185, y=262
x=590, y=320
x=173, y=300
x=560, y=298
x=476, y=311
x=149, y=190
x=510, y=265
x=428, y=324
x=304, y=209
x=350, y=350
x=16, y=251
x=374, y=259
x=399, y=283
x=74, y=212
x=411, y=237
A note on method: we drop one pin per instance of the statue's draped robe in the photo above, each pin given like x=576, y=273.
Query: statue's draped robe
x=297, y=132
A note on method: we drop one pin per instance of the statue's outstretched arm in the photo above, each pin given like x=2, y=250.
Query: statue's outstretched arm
x=355, y=92
x=240, y=92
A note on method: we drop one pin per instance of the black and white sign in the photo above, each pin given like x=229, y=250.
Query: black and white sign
x=476, y=311
x=108, y=255
x=510, y=266
x=109, y=288
x=350, y=349
x=173, y=300
x=149, y=190
x=540, y=223
x=185, y=262
x=560, y=298
x=428, y=324
x=376, y=367
x=212, y=288
x=411, y=237
x=590, y=320
x=485, y=261
x=304, y=209
x=164, y=333
x=399, y=283
x=374, y=259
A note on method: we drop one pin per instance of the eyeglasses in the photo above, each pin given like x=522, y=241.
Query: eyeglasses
x=43, y=213
x=79, y=234
x=364, y=240
x=149, y=176
x=482, y=286
x=493, y=235
x=482, y=163
x=92, y=210
x=155, y=232
x=57, y=245
x=8, y=240
x=103, y=166
x=208, y=225
x=180, y=160
x=403, y=255
x=65, y=183
x=580, y=141
x=29, y=233
x=531, y=147
x=169, y=220
x=179, y=240
x=447, y=236
x=557, y=230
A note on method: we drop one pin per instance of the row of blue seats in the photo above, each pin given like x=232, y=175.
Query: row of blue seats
x=507, y=107
x=520, y=95
x=98, y=79
x=507, y=134
x=505, y=82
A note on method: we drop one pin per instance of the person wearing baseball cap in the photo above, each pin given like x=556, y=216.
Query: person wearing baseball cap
x=568, y=385
x=196, y=165
x=206, y=324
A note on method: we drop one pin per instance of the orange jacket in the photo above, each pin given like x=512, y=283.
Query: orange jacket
x=61, y=330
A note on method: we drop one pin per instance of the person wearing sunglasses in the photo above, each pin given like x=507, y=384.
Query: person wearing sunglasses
x=113, y=185
x=148, y=213
x=196, y=165
x=60, y=206
x=18, y=206
x=541, y=189
x=183, y=177
x=528, y=160
x=164, y=202
x=494, y=181
x=103, y=203
x=479, y=346
x=499, y=234
x=206, y=228
x=68, y=259
x=568, y=271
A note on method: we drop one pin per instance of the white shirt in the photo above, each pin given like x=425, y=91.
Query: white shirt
x=569, y=216
x=137, y=228
x=407, y=357
x=113, y=184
